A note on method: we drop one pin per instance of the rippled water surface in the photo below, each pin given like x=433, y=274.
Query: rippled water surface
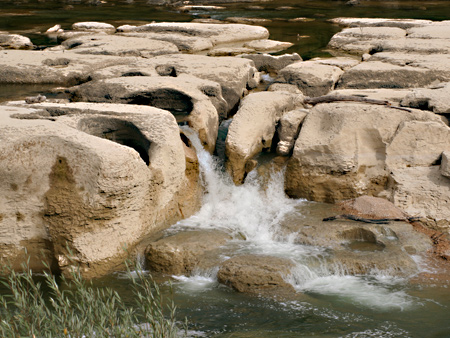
x=326, y=303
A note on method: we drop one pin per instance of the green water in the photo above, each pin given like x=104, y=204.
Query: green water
x=217, y=311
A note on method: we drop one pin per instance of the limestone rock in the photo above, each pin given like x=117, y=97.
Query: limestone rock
x=181, y=253
x=119, y=45
x=272, y=63
x=256, y=274
x=218, y=33
x=253, y=128
x=380, y=22
x=187, y=97
x=341, y=150
x=82, y=175
x=435, y=99
x=267, y=45
x=418, y=143
x=371, y=207
x=289, y=129
x=229, y=51
x=94, y=26
x=445, y=165
x=342, y=62
x=313, y=79
x=15, y=41
x=248, y=21
x=394, y=96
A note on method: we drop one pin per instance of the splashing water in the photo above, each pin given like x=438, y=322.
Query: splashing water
x=254, y=211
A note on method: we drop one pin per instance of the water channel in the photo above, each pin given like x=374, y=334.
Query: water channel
x=328, y=302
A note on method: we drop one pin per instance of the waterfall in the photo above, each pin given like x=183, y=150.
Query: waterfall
x=255, y=210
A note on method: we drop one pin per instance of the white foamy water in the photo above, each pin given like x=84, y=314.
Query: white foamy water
x=255, y=211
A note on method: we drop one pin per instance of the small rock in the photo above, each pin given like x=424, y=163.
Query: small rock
x=35, y=99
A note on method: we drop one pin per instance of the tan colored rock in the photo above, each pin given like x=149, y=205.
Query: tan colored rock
x=341, y=150
x=289, y=128
x=371, y=207
x=187, y=97
x=184, y=43
x=436, y=99
x=256, y=274
x=248, y=21
x=229, y=51
x=436, y=30
x=445, y=164
x=218, y=33
x=93, y=178
x=15, y=41
x=253, y=128
x=267, y=45
x=183, y=252
x=380, y=22
x=272, y=63
x=342, y=62
x=422, y=192
x=418, y=143
x=284, y=87
x=394, y=96
x=94, y=26
x=119, y=45
x=313, y=78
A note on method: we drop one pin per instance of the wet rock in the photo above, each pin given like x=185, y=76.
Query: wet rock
x=94, y=26
x=436, y=99
x=341, y=150
x=371, y=207
x=15, y=41
x=380, y=22
x=183, y=252
x=229, y=51
x=272, y=63
x=312, y=78
x=89, y=174
x=267, y=45
x=289, y=128
x=253, y=128
x=119, y=46
x=187, y=97
x=248, y=21
x=256, y=274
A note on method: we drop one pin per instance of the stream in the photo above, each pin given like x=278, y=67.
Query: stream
x=328, y=301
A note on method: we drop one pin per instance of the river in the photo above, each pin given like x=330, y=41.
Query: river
x=328, y=302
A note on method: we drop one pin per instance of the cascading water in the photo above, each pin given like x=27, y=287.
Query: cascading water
x=256, y=212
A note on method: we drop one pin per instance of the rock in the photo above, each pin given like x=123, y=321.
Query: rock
x=422, y=192
x=377, y=74
x=342, y=62
x=253, y=128
x=370, y=207
x=267, y=45
x=68, y=68
x=199, y=8
x=272, y=63
x=86, y=175
x=289, y=129
x=184, y=43
x=435, y=99
x=229, y=51
x=436, y=30
x=119, y=46
x=217, y=33
x=284, y=87
x=256, y=274
x=445, y=165
x=63, y=35
x=187, y=97
x=379, y=22
x=341, y=150
x=234, y=75
x=394, y=96
x=15, y=41
x=313, y=79
x=53, y=30
x=35, y=99
x=418, y=143
x=94, y=26
x=183, y=252
x=248, y=21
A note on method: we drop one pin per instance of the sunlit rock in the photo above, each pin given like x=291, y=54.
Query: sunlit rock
x=15, y=41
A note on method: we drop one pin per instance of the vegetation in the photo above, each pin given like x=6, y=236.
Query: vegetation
x=74, y=308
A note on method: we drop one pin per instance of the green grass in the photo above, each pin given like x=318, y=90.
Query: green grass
x=74, y=308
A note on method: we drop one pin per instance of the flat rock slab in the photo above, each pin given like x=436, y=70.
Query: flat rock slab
x=272, y=63
x=394, y=96
x=94, y=26
x=181, y=253
x=380, y=22
x=267, y=45
x=435, y=99
x=15, y=41
x=119, y=45
x=256, y=274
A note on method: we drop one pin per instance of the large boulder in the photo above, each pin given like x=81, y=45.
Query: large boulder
x=253, y=128
x=119, y=45
x=312, y=78
x=187, y=97
x=256, y=274
x=92, y=179
x=183, y=252
x=341, y=151
x=15, y=41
